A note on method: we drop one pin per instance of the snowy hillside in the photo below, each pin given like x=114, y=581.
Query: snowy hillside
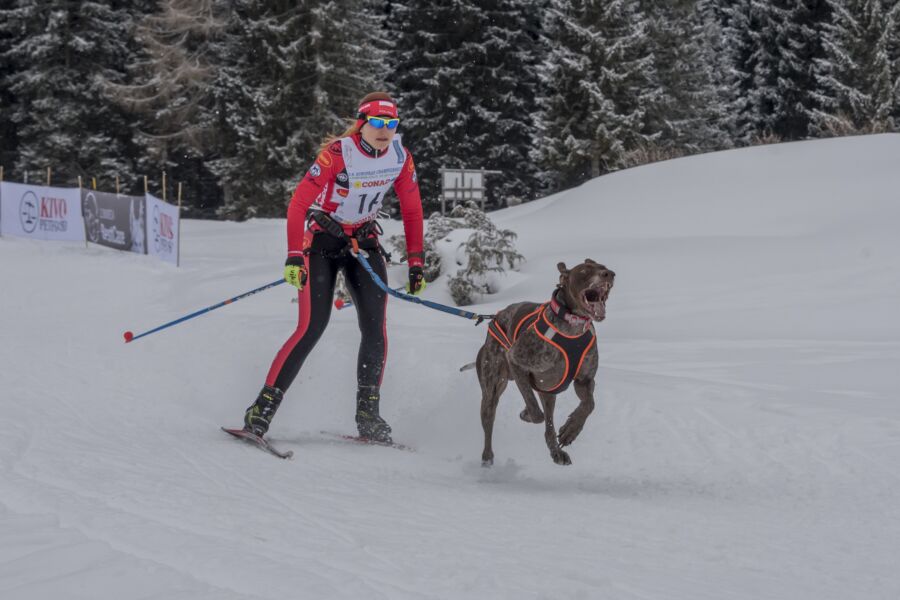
x=745, y=443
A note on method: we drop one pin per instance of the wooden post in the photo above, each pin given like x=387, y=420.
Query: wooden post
x=26, y=177
x=82, y=212
x=94, y=183
x=146, y=188
x=483, y=187
x=48, y=176
x=443, y=195
x=1, y=173
x=178, y=250
x=164, y=185
x=117, y=185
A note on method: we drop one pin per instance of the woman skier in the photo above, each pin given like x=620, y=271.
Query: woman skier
x=337, y=201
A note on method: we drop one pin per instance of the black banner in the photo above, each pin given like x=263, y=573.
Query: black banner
x=115, y=221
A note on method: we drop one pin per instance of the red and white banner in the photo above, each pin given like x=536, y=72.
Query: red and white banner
x=162, y=229
x=40, y=212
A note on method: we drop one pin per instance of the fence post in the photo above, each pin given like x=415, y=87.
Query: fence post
x=164, y=185
x=178, y=241
x=82, y=212
x=443, y=198
x=48, y=176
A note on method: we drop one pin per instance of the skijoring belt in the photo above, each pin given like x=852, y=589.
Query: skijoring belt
x=365, y=236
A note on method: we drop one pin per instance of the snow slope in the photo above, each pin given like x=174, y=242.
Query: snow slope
x=745, y=443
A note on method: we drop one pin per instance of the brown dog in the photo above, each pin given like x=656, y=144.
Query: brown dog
x=544, y=347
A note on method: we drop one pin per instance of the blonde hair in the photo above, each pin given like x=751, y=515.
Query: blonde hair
x=354, y=126
x=352, y=129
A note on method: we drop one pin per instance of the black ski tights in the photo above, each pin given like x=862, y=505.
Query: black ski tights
x=316, y=299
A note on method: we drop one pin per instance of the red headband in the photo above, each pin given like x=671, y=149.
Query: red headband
x=378, y=108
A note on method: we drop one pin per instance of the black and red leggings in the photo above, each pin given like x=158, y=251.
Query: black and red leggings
x=316, y=300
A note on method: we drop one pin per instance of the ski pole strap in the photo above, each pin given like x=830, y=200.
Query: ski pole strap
x=361, y=257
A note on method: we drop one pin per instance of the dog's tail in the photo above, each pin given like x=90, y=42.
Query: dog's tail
x=467, y=367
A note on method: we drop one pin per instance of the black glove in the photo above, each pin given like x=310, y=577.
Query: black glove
x=416, y=280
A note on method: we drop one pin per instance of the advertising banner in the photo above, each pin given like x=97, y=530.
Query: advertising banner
x=41, y=212
x=162, y=229
x=114, y=220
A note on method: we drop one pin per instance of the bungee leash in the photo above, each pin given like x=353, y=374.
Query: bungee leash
x=331, y=227
x=361, y=256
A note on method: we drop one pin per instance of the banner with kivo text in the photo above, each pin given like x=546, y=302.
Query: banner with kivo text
x=162, y=229
x=41, y=212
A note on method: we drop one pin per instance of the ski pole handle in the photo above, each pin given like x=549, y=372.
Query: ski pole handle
x=130, y=337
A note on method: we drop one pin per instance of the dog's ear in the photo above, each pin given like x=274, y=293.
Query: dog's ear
x=563, y=273
x=590, y=262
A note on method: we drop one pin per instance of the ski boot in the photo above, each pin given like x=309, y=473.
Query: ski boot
x=259, y=414
x=368, y=422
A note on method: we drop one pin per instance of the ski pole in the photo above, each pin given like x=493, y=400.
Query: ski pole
x=130, y=337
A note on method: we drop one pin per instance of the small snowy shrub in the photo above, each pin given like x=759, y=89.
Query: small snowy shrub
x=469, y=242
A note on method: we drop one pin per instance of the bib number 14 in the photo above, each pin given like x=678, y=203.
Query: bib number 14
x=362, y=202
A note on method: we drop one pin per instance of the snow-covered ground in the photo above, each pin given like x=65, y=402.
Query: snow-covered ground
x=745, y=445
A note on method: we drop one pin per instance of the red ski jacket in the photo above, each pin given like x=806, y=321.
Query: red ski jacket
x=328, y=181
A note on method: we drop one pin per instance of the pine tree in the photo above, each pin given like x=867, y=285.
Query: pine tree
x=739, y=40
x=167, y=93
x=466, y=75
x=603, y=71
x=894, y=51
x=711, y=21
x=58, y=55
x=9, y=141
x=688, y=114
x=788, y=41
x=290, y=73
x=858, y=82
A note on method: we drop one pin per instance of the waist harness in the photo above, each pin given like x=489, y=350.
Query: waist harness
x=366, y=236
x=573, y=348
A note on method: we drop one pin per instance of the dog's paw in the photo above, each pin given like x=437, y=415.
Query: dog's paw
x=529, y=418
x=560, y=457
x=570, y=431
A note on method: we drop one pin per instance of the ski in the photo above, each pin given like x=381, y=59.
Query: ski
x=257, y=441
x=355, y=439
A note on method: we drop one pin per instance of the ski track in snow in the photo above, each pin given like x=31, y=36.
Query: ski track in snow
x=744, y=444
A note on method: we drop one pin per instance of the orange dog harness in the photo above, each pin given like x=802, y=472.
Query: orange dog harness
x=573, y=348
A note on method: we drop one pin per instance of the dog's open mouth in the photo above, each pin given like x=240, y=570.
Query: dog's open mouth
x=595, y=302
